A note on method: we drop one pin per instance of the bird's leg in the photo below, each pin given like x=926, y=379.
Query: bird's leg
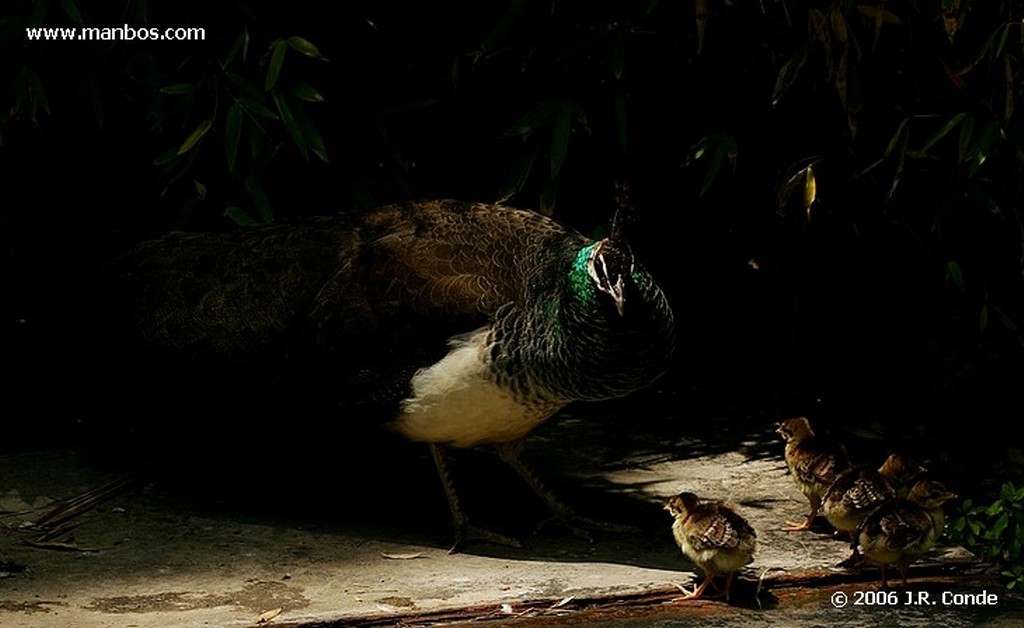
x=855, y=559
x=464, y=531
x=728, y=585
x=807, y=523
x=709, y=577
x=510, y=453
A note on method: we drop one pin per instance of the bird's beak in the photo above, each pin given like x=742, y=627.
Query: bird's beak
x=618, y=293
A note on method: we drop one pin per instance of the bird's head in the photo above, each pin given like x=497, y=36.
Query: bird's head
x=901, y=469
x=681, y=505
x=610, y=267
x=794, y=429
x=930, y=494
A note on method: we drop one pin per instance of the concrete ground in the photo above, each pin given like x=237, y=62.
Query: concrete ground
x=358, y=549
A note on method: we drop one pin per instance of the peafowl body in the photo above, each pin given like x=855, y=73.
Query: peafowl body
x=454, y=323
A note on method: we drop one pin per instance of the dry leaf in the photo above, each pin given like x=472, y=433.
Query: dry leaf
x=268, y=616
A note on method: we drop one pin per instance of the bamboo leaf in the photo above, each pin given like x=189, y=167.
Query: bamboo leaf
x=789, y=71
x=304, y=46
x=310, y=133
x=502, y=28
x=21, y=89
x=280, y=47
x=259, y=198
x=538, y=117
x=519, y=172
x=621, y=122
x=701, y=17
x=142, y=11
x=717, y=157
x=560, y=130
x=39, y=99
x=71, y=9
x=239, y=216
x=178, y=89
x=955, y=275
x=244, y=85
x=290, y=124
x=304, y=91
x=165, y=157
x=943, y=131
x=232, y=134
x=195, y=136
x=618, y=54
x=982, y=146
x=810, y=190
x=256, y=108
x=966, y=132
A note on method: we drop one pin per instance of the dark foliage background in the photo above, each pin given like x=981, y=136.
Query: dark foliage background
x=830, y=191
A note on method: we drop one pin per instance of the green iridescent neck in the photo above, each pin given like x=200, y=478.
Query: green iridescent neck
x=579, y=276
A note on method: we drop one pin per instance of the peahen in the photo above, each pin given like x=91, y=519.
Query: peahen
x=458, y=324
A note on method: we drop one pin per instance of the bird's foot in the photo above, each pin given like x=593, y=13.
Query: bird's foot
x=583, y=527
x=854, y=560
x=793, y=526
x=697, y=593
x=469, y=533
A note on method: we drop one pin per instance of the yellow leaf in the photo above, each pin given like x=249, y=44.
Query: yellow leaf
x=810, y=190
x=701, y=15
x=194, y=137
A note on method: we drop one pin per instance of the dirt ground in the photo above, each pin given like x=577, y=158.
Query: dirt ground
x=315, y=547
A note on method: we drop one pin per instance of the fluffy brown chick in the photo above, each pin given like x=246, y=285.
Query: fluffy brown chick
x=902, y=530
x=814, y=462
x=713, y=536
x=858, y=491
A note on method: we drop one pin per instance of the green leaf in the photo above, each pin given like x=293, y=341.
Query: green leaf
x=21, y=90
x=304, y=46
x=518, y=172
x=943, y=131
x=276, y=61
x=956, y=275
x=304, y=91
x=966, y=131
x=290, y=124
x=194, y=137
x=259, y=198
x=245, y=85
x=621, y=122
x=539, y=116
x=239, y=216
x=997, y=528
x=310, y=133
x=981, y=148
x=232, y=134
x=789, y=71
x=236, y=48
x=618, y=54
x=560, y=131
x=200, y=190
x=165, y=157
x=256, y=108
x=502, y=28
x=71, y=9
x=178, y=89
